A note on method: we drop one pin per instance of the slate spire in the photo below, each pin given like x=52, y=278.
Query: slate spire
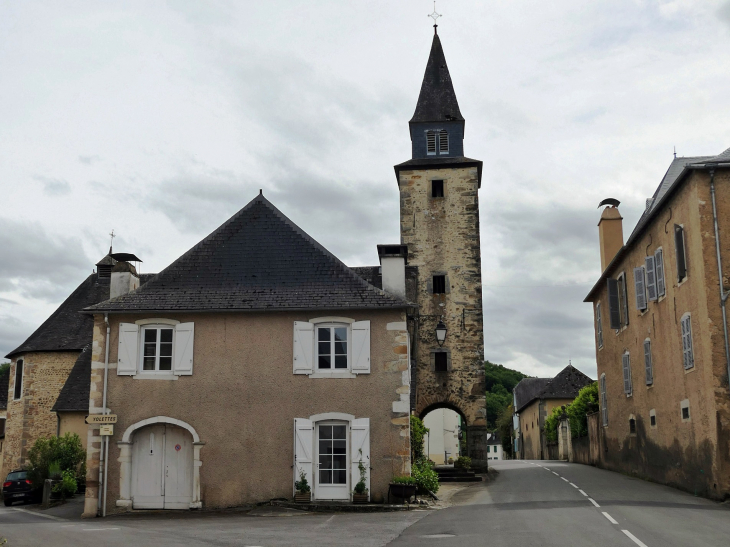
x=437, y=101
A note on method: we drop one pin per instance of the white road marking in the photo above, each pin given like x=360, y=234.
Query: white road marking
x=610, y=518
x=554, y=473
x=98, y=529
x=439, y=536
x=573, y=485
x=566, y=480
x=634, y=538
x=593, y=502
x=581, y=491
x=39, y=514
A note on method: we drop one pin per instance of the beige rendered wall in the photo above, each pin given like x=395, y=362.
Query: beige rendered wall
x=442, y=235
x=681, y=453
x=532, y=425
x=242, y=399
x=74, y=422
x=30, y=417
x=443, y=435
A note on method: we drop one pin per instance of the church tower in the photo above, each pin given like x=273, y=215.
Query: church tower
x=439, y=224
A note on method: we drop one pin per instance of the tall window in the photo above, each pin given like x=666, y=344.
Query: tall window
x=604, y=400
x=332, y=347
x=443, y=142
x=680, y=251
x=18, y=392
x=626, y=365
x=647, y=362
x=659, y=266
x=439, y=284
x=441, y=362
x=157, y=348
x=687, y=351
x=599, y=325
x=623, y=302
x=437, y=188
x=640, y=288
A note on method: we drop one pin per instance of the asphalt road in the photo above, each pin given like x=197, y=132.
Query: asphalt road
x=561, y=504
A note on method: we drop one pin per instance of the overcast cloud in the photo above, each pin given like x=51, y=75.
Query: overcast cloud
x=161, y=119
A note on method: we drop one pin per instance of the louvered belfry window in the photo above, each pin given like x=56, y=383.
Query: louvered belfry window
x=431, y=142
x=443, y=142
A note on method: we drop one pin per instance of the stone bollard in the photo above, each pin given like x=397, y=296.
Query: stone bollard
x=47, y=487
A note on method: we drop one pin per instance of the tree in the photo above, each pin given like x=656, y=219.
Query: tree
x=504, y=428
x=4, y=368
x=499, y=381
x=54, y=454
x=418, y=434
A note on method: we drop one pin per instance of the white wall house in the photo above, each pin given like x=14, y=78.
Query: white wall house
x=442, y=441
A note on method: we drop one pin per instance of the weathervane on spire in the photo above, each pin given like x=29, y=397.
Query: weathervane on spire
x=111, y=243
x=435, y=15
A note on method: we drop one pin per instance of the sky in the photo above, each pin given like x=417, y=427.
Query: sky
x=160, y=120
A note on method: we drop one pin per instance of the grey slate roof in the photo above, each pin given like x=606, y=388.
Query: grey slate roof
x=527, y=390
x=75, y=393
x=720, y=158
x=566, y=385
x=437, y=100
x=257, y=260
x=436, y=163
x=67, y=329
x=4, y=386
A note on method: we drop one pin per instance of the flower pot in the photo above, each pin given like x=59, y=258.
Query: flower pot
x=303, y=497
x=359, y=498
x=402, y=491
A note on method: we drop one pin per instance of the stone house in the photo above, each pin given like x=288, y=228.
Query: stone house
x=4, y=380
x=534, y=401
x=661, y=332
x=254, y=357
x=42, y=365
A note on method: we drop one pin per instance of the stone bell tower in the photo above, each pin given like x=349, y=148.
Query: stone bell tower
x=439, y=222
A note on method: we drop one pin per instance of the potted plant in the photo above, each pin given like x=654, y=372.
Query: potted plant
x=403, y=487
x=360, y=494
x=304, y=491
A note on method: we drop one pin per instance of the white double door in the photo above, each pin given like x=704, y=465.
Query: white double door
x=162, y=468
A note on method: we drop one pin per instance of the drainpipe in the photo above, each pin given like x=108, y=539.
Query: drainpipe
x=723, y=294
x=104, y=455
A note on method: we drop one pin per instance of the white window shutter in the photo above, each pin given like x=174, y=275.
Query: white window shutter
x=361, y=347
x=627, y=373
x=128, y=351
x=360, y=440
x=647, y=363
x=651, y=278
x=303, y=450
x=659, y=268
x=303, y=347
x=640, y=288
x=184, y=336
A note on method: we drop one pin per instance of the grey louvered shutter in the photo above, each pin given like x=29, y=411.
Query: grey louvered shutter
x=640, y=288
x=614, y=315
x=679, y=249
x=626, y=363
x=647, y=363
x=659, y=267
x=443, y=142
x=687, y=342
x=599, y=325
x=624, y=300
x=604, y=400
x=431, y=142
x=651, y=278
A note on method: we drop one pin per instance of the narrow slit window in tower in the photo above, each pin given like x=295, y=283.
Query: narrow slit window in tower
x=437, y=188
x=439, y=284
x=441, y=362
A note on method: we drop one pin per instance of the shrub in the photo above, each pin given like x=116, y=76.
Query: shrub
x=405, y=479
x=360, y=487
x=585, y=402
x=418, y=433
x=551, y=424
x=426, y=478
x=302, y=485
x=52, y=455
x=67, y=486
x=463, y=462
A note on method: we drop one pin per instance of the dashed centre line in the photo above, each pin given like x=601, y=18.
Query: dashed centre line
x=581, y=491
x=633, y=538
x=593, y=502
x=554, y=473
x=573, y=485
x=610, y=518
x=566, y=480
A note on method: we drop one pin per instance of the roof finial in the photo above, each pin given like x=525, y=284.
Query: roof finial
x=675, y=152
x=435, y=15
x=111, y=242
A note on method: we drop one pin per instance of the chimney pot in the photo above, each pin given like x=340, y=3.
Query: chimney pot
x=393, y=260
x=610, y=235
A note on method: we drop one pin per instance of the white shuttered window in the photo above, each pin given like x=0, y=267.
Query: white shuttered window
x=155, y=349
x=626, y=365
x=687, y=352
x=323, y=348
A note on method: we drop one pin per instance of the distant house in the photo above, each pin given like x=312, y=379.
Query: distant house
x=443, y=438
x=661, y=331
x=534, y=400
x=494, y=447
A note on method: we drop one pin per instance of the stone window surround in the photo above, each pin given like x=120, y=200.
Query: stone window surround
x=20, y=360
x=334, y=373
x=125, y=460
x=652, y=414
x=149, y=374
x=447, y=282
x=682, y=405
x=433, y=353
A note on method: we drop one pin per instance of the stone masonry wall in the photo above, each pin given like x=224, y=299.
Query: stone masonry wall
x=442, y=235
x=30, y=417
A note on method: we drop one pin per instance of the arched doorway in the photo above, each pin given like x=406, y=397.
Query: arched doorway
x=160, y=465
x=446, y=439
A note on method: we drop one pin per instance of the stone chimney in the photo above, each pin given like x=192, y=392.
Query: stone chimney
x=393, y=267
x=124, y=279
x=610, y=234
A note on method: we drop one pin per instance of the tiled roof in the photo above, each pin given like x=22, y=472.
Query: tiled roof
x=4, y=386
x=527, y=390
x=257, y=260
x=437, y=100
x=67, y=329
x=75, y=393
x=723, y=157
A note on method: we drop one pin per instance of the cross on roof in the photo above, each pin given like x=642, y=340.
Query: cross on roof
x=111, y=242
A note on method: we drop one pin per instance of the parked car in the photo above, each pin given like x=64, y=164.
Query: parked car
x=18, y=487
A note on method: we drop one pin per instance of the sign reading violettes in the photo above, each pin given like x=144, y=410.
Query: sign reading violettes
x=101, y=419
